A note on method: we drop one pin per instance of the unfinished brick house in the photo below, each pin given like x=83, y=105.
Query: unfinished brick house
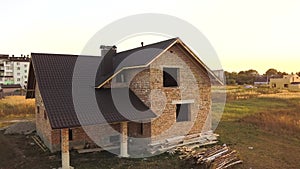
x=168, y=86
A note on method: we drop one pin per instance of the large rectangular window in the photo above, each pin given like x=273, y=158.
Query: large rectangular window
x=183, y=112
x=170, y=77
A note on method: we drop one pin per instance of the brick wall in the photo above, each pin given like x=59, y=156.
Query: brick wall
x=194, y=85
x=43, y=127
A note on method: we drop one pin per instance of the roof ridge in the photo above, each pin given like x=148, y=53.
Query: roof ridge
x=33, y=53
x=141, y=47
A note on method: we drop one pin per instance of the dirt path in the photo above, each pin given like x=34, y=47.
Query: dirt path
x=18, y=151
x=15, y=121
x=9, y=153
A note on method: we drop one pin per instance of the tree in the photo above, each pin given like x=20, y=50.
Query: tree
x=243, y=77
x=246, y=77
x=271, y=72
x=230, y=77
x=252, y=72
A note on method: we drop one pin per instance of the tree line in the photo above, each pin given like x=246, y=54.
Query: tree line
x=251, y=75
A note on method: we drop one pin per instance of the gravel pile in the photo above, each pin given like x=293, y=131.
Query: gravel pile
x=21, y=128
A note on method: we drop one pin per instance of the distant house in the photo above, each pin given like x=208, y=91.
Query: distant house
x=11, y=89
x=261, y=80
x=138, y=72
x=286, y=82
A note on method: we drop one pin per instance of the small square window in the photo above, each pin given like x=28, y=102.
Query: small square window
x=18, y=68
x=170, y=77
x=183, y=112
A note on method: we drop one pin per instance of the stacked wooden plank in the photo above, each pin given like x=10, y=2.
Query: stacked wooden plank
x=39, y=142
x=217, y=157
x=195, y=140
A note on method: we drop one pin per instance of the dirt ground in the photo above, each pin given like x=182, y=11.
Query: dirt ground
x=19, y=151
x=16, y=151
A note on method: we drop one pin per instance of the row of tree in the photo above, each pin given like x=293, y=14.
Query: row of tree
x=250, y=76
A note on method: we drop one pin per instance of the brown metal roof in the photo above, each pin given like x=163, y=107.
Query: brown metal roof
x=54, y=73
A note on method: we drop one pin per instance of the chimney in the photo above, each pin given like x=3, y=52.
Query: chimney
x=108, y=53
x=104, y=49
x=142, y=43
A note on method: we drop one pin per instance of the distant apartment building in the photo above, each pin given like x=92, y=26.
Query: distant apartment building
x=14, y=70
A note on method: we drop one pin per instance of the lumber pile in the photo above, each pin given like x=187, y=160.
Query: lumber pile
x=39, y=142
x=217, y=157
x=195, y=140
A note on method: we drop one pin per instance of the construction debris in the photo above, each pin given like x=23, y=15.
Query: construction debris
x=217, y=157
x=21, y=128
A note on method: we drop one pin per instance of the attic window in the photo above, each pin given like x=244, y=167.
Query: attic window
x=183, y=112
x=170, y=77
x=120, y=78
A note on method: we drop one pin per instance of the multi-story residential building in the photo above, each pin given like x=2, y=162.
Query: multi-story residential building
x=6, y=70
x=14, y=70
x=20, y=70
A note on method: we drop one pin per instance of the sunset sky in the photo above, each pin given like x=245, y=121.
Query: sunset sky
x=257, y=34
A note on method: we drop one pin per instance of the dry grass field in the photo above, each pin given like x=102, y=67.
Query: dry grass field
x=15, y=108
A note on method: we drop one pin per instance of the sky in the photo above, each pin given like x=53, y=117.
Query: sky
x=246, y=34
